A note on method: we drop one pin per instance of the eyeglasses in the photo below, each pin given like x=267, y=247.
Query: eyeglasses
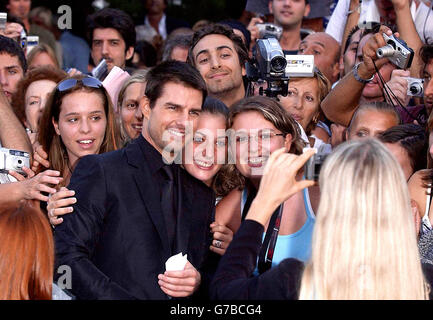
x=264, y=137
x=71, y=82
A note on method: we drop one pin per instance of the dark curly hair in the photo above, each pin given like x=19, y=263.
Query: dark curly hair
x=115, y=19
x=220, y=29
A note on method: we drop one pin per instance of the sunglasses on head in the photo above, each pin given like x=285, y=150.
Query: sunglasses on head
x=71, y=82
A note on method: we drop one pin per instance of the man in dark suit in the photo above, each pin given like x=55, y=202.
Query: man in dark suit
x=124, y=227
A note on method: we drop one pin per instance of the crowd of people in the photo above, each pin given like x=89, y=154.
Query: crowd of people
x=188, y=154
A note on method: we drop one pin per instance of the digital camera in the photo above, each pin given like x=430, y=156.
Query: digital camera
x=397, y=51
x=32, y=41
x=269, y=30
x=313, y=166
x=415, y=87
x=269, y=64
x=13, y=160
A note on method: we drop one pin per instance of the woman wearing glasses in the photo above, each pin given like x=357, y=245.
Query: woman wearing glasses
x=364, y=246
x=259, y=127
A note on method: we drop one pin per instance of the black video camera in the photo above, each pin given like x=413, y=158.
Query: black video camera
x=269, y=64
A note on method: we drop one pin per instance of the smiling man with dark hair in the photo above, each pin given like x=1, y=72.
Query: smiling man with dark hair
x=134, y=210
x=220, y=56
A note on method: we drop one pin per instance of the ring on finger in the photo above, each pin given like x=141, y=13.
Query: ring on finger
x=218, y=243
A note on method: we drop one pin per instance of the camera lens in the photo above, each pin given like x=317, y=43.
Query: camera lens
x=416, y=89
x=386, y=51
x=278, y=64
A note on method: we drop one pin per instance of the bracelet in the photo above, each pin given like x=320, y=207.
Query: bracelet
x=357, y=77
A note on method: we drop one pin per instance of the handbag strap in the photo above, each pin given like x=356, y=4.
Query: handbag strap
x=267, y=251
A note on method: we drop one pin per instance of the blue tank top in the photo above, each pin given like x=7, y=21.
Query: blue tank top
x=296, y=245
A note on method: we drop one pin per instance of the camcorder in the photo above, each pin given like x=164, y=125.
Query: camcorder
x=269, y=30
x=397, y=51
x=100, y=72
x=270, y=65
x=13, y=160
x=415, y=87
x=313, y=166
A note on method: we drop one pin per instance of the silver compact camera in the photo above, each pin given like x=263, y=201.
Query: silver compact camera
x=13, y=160
x=415, y=87
x=313, y=166
x=397, y=51
x=269, y=30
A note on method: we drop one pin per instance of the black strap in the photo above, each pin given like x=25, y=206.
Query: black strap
x=267, y=251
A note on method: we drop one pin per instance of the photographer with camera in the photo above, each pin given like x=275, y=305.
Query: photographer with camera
x=288, y=15
x=364, y=82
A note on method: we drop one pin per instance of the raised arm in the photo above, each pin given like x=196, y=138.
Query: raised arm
x=408, y=33
x=233, y=279
x=12, y=133
x=342, y=101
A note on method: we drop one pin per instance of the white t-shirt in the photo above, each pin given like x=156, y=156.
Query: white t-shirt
x=369, y=12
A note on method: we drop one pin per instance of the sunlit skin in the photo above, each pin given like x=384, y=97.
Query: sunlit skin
x=11, y=73
x=251, y=156
x=42, y=59
x=81, y=125
x=130, y=112
x=370, y=123
x=209, y=148
x=108, y=44
x=303, y=100
x=35, y=100
x=402, y=157
x=174, y=115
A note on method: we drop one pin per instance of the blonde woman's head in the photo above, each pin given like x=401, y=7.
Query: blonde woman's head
x=364, y=242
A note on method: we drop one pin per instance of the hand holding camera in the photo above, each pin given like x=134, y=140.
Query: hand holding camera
x=399, y=86
x=369, y=53
x=397, y=51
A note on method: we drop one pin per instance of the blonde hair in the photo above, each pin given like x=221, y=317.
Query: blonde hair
x=138, y=76
x=364, y=242
x=42, y=48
